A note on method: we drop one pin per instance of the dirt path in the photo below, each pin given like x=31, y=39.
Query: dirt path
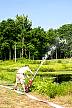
x=10, y=99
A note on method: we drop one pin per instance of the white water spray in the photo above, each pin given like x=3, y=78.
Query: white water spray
x=44, y=58
x=53, y=48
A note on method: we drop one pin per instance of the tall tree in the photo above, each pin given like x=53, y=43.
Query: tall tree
x=39, y=40
x=66, y=32
x=24, y=24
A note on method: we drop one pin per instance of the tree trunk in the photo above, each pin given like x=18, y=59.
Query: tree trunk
x=5, y=56
x=56, y=53
x=13, y=56
x=25, y=53
x=33, y=57
x=29, y=54
x=22, y=46
x=9, y=54
x=20, y=54
x=15, y=53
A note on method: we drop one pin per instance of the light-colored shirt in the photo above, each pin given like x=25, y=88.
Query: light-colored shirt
x=23, y=70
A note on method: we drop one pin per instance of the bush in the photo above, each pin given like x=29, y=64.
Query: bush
x=47, y=68
x=59, y=61
x=44, y=86
x=7, y=76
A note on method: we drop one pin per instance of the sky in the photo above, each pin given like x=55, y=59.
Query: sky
x=45, y=13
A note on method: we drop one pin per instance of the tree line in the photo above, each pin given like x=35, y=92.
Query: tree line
x=18, y=37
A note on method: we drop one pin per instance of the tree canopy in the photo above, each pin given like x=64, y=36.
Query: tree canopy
x=33, y=43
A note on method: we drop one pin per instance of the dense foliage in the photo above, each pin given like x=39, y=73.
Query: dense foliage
x=18, y=36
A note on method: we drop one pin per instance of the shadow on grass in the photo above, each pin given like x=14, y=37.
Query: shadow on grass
x=58, y=78
x=63, y=78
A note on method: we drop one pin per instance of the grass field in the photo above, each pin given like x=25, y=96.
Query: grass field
x=54, y=79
